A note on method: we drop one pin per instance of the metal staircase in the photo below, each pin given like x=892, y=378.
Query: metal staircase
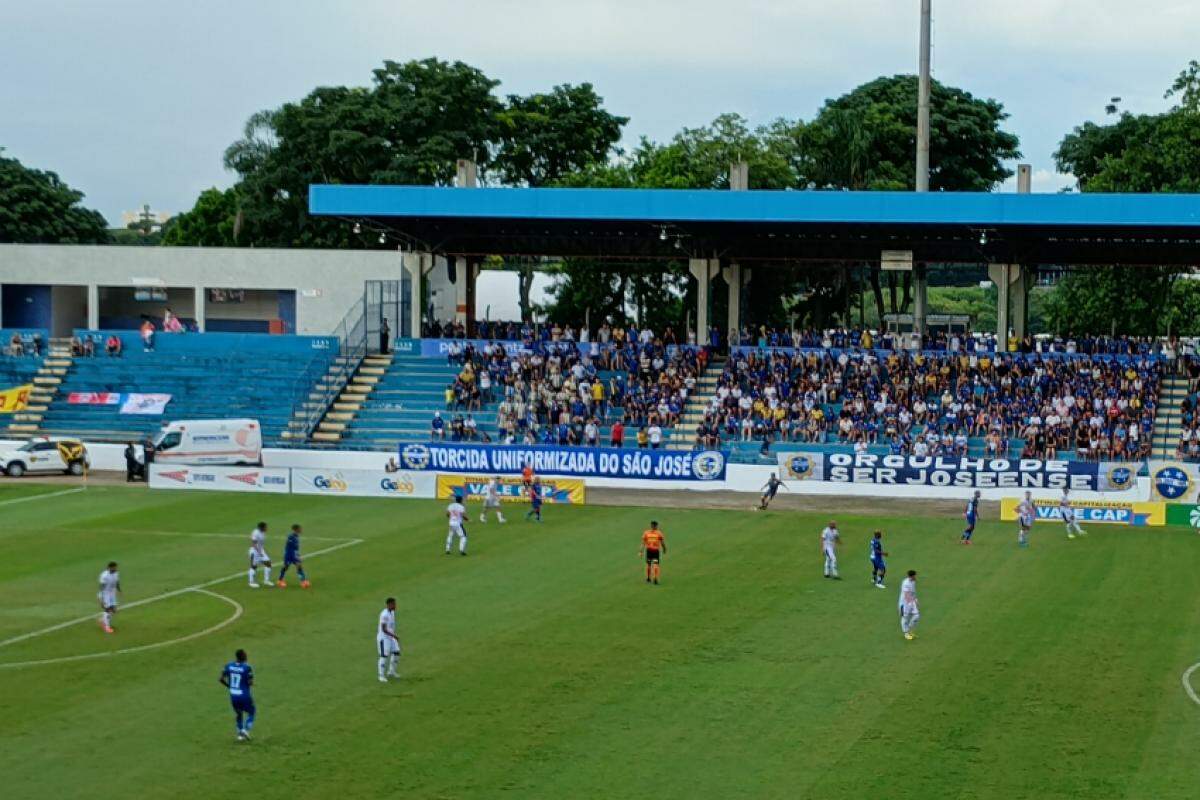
x=46, y=381
x=683, y=435
x=1168, y=419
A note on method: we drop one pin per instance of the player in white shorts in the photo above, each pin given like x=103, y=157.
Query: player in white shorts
x=110, y=587
x=491, y=500
x=258, y=556
x=1026, y=513
x=909, y=611
x=1068, y=517
x=829, y=543
x=386, y=643
x=456, y=512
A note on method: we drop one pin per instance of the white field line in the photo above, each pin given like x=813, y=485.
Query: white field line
x=1187, y=682
x=197, y=587
x=237, y=613
x=203, y=534
x=33, y=497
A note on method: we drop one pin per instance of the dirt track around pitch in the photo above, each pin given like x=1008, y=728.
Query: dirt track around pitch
x=664, y=499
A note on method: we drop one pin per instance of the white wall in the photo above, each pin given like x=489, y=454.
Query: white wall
x=326, y=281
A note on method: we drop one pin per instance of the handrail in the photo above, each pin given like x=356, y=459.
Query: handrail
x=336, y=372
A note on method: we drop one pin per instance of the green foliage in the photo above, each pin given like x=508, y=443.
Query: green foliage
x=1106, y=300
x=544, y=137
x=36, y=207
x=212, y=222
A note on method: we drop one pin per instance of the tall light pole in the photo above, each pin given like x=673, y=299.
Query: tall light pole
x=920, y=310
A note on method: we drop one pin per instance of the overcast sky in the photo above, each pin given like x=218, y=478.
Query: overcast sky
x=133, y=102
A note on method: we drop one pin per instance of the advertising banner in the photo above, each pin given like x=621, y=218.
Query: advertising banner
x=154, y=404
x=1174, y=481
x=977, y=473
x=1106, y=512
x=1183, y=514
x=94, y=398
x=15, y=399
x=363, y=483
x=273, y=480
x=583, y=462
x=568, y=491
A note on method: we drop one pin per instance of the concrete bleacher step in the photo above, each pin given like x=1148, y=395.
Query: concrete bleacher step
x=22, y=427
x=57, y=362
x=352, y=396
x=341, y=405
x=36, y=408
x=326, y=436
x=46, y=380
x=339, y=416
x=369, y=370
x=22, y=416
x=377, y=361
x=332, y=426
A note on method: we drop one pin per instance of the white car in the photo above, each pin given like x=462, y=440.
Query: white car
x=45, y=454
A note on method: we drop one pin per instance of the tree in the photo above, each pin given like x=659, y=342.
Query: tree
x=1135, y=153
x=866, y=140
x=37, y=207
x=212, y=222
x=543, y=138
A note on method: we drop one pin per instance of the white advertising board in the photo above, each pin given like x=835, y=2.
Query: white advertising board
x=364, y=483
x=221, y=479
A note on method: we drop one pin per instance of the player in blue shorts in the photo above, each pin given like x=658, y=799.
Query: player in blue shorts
x=768, y=492
x=878, y=566
x=291, y=555
x=535, y=500
x=238, y=677
x=971, y=515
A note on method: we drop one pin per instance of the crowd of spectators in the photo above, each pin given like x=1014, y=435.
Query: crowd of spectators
x=933, y=404
x=565, y=395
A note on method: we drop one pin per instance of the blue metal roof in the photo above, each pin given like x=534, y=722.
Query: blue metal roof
x=699, y=206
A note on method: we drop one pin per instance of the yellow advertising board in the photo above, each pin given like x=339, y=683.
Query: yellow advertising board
x=1106, y=512
x=15, y=399
x=512, y=490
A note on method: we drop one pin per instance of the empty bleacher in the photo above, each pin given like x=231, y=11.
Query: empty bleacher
x=211, y=378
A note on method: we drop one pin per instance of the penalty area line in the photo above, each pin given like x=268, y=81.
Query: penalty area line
x=33, y=497
x=238, y=610
x=1187, y=683
x=174, y=593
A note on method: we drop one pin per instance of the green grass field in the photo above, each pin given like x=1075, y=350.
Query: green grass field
x=542, y=666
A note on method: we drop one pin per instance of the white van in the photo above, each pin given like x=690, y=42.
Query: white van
x=209, y=441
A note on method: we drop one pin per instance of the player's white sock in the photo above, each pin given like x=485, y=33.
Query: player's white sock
x=499, y=516
x=266, y=575
x=462, y=543
x=382, y=667
x=449, y=541
x=250, y=574
x=393, y=662
x=483, y=518
x=107, y=619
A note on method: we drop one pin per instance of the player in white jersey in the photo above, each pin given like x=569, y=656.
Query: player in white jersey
x=1068, y=517
x=1026, y=513
x=909, y=611
x=258, y=556
x=829, y=545
x=456, y=512
x=491, y=500
x=110, y=587
x=386, y=642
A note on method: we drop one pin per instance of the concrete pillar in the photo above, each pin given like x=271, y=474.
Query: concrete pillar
x=200, y=310
x=704, y=270
x=1003, y=276
x=920, y=289
x=93, y=306
x=739, y=176
x=1021, y=284
x=417, y=265
x=733, y=277
x=462, y=278
x=466, y=175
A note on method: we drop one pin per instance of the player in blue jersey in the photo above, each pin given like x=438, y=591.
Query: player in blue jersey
x=535, y=500
x=238, y=677
x=768, y=492
x=971, y=515
x=878, y=565
x=291, y=555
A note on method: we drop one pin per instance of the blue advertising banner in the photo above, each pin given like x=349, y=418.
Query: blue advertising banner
x=440, y=348
x=584, y=462
x=976, y=473
x=1120, y=358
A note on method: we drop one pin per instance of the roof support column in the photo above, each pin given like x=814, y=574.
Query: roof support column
x=920, y=288
x=733, y=277
x=201, y=310
x=417, y=265
x=93, y=307
x=704, y=270
x=1003, y=276
x=1020, y=286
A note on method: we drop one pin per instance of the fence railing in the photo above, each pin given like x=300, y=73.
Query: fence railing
x=334, y=374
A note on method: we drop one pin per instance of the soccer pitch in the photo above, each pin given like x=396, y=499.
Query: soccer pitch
x=543, y=665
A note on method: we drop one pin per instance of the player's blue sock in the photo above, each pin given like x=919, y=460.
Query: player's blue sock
x=300, y=570
x=249, y=721
x=239, y=722
x=283, y=571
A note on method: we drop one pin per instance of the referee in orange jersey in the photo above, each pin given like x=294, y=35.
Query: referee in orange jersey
x=654, y=547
